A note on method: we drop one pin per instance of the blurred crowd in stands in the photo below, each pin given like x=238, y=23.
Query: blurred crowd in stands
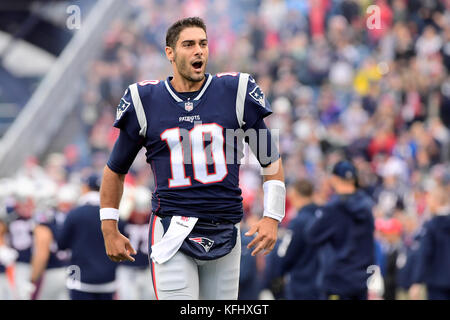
x=338, y=87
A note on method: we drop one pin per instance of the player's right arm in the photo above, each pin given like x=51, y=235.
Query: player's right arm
x=127, y=146
x=118, y=247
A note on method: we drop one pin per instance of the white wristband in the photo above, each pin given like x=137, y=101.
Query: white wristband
x=109, y=214
x=274, y=199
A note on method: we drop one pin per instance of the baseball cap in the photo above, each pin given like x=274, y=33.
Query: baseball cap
x=93, y=181
x=345, y=170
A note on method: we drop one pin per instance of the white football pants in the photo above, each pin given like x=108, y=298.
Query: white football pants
x=185, y=278
x=6, y=290
x=53, y=285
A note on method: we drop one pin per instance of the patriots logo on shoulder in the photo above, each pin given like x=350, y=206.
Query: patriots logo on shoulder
x=258, y=95
x=204, y=242
x=121, y=108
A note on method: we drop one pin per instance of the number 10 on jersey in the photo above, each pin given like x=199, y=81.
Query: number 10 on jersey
x=198, y=152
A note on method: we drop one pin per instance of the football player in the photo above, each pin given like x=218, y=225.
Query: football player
x=48, y=263
x=21, y=235
x=192, y=126
x=133, y=277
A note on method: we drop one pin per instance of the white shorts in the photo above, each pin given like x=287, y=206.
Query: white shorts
x=185, y=278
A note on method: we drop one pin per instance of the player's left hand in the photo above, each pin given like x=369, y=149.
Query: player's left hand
x=267, y=229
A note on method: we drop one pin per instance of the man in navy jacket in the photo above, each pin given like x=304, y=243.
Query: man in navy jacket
x=344, y=229
x=93, y=275
x=299, y=259
x=433, y=257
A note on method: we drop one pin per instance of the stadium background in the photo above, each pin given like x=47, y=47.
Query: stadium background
x=337, y=88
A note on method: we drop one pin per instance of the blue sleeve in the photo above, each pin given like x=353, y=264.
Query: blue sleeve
x=256, y=105
x=126, y=118
x=65, y=235
x=323, y=227
x=124, y=152
x=265, y=150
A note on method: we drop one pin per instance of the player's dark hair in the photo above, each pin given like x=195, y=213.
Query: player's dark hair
x=303, y=187
x=175, y=29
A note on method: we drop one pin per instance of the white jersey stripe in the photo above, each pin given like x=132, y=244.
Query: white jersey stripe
x=240, y=97
x=177, y=99
x=139, y=109
x=208, y=81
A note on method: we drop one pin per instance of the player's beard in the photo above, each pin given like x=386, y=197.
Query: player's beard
x=184, y=69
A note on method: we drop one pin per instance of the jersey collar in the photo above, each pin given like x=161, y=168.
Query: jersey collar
x=177, y=98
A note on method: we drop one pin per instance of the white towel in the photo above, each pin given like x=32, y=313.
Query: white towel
x=178, y=230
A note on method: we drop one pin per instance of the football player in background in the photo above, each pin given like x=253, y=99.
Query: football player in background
x=48, y=263
x=133, y=278
x=8, y=257
x=190, y=125
x=21, y=236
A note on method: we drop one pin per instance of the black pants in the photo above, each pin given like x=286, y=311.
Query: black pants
x=80, y=295
x=362, y=295
x=435, y=293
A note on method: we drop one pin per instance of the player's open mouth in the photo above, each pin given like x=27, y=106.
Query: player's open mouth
x=197, y=65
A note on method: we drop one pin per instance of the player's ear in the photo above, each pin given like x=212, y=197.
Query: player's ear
x=170, y=54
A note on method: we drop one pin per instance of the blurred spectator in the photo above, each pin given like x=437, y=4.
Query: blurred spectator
x=434, y=252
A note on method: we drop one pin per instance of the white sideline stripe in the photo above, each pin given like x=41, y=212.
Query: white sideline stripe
x=240, y=97
x=140, y=113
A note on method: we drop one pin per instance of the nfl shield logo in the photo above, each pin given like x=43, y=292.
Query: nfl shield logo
x=188, y=106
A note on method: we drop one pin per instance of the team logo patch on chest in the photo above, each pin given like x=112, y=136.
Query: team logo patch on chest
x=121, y=108
x=188, y=106
x=204, y=242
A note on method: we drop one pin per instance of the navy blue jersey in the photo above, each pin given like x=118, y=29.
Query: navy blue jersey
x=21, y=238
x=54, y=221
x=82, y=234
x=194, y=161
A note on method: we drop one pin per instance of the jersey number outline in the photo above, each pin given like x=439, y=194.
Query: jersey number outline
x=172, y=137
